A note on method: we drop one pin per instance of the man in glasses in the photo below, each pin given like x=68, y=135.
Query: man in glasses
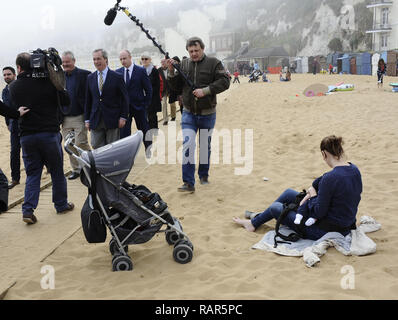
x=199, y=114
x=139, y=89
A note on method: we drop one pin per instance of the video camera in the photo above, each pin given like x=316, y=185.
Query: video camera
x=48, y=64
x=42, y=60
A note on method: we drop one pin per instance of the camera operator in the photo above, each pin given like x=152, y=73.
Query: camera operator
x=40, y=136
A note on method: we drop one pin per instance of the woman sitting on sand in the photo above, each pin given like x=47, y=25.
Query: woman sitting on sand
x=333, y=197
x=288, y=76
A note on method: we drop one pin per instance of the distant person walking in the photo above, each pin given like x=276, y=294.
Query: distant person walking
x=381, y=71
x=236, y=77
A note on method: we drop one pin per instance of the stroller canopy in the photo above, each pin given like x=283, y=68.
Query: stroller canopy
x=116, y=159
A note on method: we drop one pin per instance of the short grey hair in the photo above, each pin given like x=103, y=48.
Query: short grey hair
x=103, y=52
x=70, y=54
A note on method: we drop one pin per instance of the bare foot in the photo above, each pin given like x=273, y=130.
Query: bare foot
x=247, y=224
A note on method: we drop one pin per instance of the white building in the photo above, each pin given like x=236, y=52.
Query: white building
x=385, y=24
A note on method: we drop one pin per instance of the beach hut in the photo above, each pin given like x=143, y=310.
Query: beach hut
x=364, y=63
x=344, y=65
x=336, y=55
x=304, y=64
x=299, y=65
x=392, y=63
x=375, y=62
x=353, y=64
x=322, y=63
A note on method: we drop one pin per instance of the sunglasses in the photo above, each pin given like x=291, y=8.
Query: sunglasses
x=144, y=58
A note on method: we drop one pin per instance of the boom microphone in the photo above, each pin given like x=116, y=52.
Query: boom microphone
x=110, y=16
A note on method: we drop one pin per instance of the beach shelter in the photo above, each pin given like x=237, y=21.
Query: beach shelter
x=304, y=64
x=299, y=65
x=375, y=61
x=353, y=64
x=335, y=57
x=364, y=63
x=343, y=64
x=392, y=63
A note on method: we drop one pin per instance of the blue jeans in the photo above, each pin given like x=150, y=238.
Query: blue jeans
x=191, y=124
x=15, y=154
x=275, y=209
x=41, y=149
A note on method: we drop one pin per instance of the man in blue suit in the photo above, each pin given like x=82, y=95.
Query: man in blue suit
x=107, y=102
x=139, y=89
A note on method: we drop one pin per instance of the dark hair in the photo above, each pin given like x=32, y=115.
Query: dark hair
x=381, y=62
x=195, y=41
x=333, y=145
x=9, y=68
x=176, y=59
x=23, y=60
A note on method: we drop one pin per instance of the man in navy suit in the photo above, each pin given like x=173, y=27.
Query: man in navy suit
x=139, y=89
x=107, y=102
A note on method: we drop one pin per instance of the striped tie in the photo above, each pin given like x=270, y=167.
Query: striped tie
x=101, y=82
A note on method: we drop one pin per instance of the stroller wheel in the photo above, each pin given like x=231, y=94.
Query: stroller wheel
x=114, y=249
x=186, y=242
x=182, y=253
x=172, y=237
x=122, y=263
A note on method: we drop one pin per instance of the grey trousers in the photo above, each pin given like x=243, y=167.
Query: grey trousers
x=102, y=136
x=76, y=124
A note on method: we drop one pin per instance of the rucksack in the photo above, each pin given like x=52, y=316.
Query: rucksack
x=287, y=207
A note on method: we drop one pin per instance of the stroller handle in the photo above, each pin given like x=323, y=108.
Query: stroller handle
x=70, y=142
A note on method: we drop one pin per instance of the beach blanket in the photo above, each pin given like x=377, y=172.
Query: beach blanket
x=356, y=243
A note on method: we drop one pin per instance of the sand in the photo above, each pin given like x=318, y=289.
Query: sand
x=287, y=130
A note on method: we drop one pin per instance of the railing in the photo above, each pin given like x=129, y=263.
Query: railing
x=375, y=3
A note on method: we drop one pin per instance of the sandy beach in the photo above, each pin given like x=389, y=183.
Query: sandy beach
x=287, y=130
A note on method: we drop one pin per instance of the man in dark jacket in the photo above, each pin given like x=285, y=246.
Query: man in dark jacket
x=12, y=124
x=209, y=78
x=73, y=120
x=40, y=137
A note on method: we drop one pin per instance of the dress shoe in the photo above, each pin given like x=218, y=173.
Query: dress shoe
x=186, y=187
x=173, y=119
x=29, y=218
x=70, y=207
x=74, y=175
x=165, y=123
x=12, y=184
x=204, y=180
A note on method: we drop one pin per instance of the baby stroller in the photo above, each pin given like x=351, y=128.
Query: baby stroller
x=133, y=214
x=255, y=76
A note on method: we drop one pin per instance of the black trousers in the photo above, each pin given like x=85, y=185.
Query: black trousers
x=153, y=120
x=15, y=154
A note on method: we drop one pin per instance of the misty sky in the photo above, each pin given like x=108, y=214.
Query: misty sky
x=28, y=25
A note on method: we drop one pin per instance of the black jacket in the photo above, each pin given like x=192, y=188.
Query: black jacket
x=41, y=97
x=79, y=93
x=8, y=112
x=155, y=105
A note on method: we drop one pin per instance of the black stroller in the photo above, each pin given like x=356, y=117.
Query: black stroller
x=133, y=214
x=255, y=76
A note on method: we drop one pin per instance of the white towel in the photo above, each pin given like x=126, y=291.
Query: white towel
x=356, y=243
